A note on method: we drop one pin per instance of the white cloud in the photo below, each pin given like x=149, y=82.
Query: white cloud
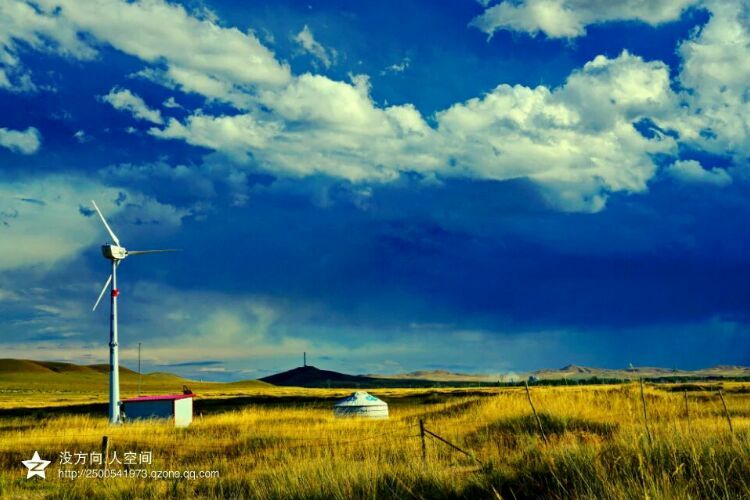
x=124, y=99
x=26, y=142
x=399, y=67
x=569, y=18
x=715, y=69
x=82, y=137
x=307, y=41
x=337, y=130
x=171, y=103
x=8, y=295
x=236, y=135
x=41, y=29
x=691, y=171
x=41, y=220
x=168, y=35
x=577, y=141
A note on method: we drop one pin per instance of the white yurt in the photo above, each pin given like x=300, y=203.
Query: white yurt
x=361, y=404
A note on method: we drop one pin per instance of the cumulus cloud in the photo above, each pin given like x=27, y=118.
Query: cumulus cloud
x=716, y=71
x=578, y=141
x=307, y=41
x=25, y=142
x=569, y=18
x=195, y=50
x=236, y=135
x=691, y=171
x=43, y=216
x=124, y=99
x=337, y=130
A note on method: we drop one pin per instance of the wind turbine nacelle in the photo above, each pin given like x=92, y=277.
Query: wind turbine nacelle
x=114, y=252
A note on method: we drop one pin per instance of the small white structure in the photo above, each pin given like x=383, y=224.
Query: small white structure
x=361, y=404
x=178, y=407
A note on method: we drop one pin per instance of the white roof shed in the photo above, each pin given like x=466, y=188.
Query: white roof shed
x=177, y=407
x=361, y=404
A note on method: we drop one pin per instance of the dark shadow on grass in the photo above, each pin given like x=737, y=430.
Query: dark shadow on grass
x=526, y=424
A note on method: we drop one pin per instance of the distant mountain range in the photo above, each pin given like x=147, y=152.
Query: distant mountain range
x=575, y=372
x=48, y=374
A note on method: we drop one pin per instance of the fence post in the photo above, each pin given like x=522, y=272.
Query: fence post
x=442, y=439
x=105, y=449
x=645, y=415
x=538, y=420
x=726, y=412
x=687, y=410
x=424, y=444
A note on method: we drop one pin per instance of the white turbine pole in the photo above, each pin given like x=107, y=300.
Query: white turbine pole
x=116, y=254
x=139, y=368
x=114, y=364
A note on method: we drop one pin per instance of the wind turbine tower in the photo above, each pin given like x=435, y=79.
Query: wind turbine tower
x=115, y=253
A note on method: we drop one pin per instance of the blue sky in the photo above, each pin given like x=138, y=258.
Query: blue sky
x=389, y=186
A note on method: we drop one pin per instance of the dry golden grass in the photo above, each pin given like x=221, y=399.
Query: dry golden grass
x=597, y=448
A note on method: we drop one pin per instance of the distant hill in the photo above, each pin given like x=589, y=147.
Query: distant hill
x=309, y=376
x=41, y=384
x=21, y=366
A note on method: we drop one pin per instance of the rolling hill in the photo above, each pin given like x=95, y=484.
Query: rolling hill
x=27, y=383
x=310, y=376
x=27, y=366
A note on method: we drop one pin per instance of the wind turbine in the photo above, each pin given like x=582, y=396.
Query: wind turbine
x=115, y=253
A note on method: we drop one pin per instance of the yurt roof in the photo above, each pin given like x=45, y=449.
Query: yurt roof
x=361, y=398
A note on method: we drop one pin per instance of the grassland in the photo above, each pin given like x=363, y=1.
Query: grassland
x=596, y=446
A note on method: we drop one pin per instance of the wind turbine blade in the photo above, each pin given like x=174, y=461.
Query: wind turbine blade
x=104, y=221
x=143, y=252
x=104, y=289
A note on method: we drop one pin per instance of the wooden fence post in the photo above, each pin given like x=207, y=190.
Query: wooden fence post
x=538, y=420
x=687, y=410
x=442, y=439
x=105, y=449
x=645, y=414
x=424, y=444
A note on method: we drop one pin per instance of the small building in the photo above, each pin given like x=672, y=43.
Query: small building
x=361, y=404
x=178, y=407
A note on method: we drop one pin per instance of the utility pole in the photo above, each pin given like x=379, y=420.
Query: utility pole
x=304, y=359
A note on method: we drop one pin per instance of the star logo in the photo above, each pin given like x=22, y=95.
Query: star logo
x=36, y=466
